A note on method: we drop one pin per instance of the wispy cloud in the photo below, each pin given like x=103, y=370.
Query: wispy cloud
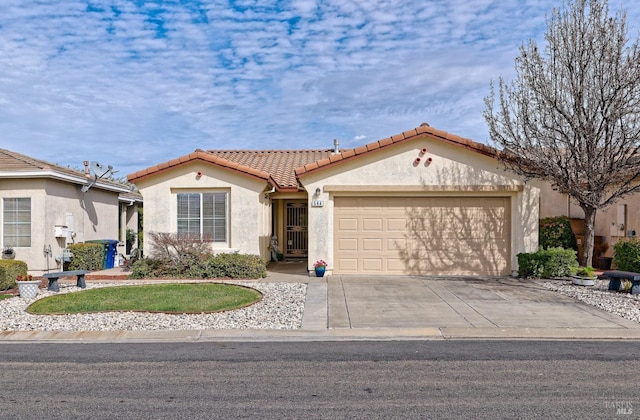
x=132, y=83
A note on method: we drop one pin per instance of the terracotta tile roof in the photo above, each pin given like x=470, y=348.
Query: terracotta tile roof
x=282, y=168
x=17, y=165
x=12, y=161
x=279, y=164
x=201, y=155
x=423, y=131
x=274, y=166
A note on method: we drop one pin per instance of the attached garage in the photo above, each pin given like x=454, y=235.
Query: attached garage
x=435, y=235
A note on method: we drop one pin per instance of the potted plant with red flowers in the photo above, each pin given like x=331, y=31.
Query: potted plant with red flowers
x=27, y=286
x=320, y=266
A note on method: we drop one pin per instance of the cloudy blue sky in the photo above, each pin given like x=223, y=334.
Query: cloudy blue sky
x=135, y=83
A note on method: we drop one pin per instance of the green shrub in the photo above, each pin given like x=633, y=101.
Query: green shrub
x=586, y=271
x=9, y=271
x=146, y=268
x=181, y=256
x=555, y=232
x=530, y=265
x=86, y=256
x=233, y=266
x=547, y=263
x=627, y=255
x=236, y=266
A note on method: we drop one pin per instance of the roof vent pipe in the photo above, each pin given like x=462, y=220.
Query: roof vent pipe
x=336, y=145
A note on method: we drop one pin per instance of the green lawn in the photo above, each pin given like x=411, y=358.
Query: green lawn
x=6, y=296
x=176, y=298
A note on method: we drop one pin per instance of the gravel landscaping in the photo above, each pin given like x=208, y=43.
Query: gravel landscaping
x=281, y=307
x=624, y=305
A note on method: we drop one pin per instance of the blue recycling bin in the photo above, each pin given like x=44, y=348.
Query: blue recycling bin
x=109, y=251
x=111, y=247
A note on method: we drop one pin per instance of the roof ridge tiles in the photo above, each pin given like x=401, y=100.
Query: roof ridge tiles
x=28, y=159
x=266, y=150
x=408, y=135
x=283, y=166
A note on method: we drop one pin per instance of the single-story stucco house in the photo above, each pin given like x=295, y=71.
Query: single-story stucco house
x=421, y=202
x=44, y=209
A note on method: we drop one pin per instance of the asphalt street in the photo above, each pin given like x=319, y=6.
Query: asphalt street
x=403, y=379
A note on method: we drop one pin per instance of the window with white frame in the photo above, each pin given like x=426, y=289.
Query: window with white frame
x=203, y=215
x=16, y=222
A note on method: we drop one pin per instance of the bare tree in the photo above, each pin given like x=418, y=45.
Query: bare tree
x=572, y=114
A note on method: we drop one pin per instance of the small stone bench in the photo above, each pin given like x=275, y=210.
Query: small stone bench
x=616, y=278
x=53, y=278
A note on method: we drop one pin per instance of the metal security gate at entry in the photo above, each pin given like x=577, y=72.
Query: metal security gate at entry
x=296, y=230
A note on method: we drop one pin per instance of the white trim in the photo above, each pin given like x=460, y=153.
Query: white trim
x=401, y=189
x=81, y=180
x=129, y=201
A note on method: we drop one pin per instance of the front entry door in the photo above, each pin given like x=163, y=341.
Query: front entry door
x=296, y=229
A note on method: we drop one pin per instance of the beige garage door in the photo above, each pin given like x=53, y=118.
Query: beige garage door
x=422, y=235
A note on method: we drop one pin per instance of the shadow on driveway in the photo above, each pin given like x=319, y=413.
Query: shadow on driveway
x=357, y=301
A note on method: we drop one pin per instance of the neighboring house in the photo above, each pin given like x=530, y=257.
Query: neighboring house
x=614, y=223
x=421, y=202
x=44, y=209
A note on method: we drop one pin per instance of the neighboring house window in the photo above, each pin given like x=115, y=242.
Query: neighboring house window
x=16, y=222
x=203, y=215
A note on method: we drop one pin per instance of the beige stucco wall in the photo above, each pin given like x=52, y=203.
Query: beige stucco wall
x=395, y=168
x=612, y=223
x=90, y=215
x=249, y=207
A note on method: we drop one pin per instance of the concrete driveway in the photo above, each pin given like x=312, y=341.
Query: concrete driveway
x=466, y=307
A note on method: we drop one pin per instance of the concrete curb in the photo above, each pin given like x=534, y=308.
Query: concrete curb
x=377, y=334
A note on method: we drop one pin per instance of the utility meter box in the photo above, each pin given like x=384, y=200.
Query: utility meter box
x=61, y=231
x=67, y=255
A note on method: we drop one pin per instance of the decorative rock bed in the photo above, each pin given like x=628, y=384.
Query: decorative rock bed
x=281, y=307
x=624, y=305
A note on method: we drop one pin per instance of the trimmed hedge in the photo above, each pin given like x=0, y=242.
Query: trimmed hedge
x=86, y=256
x=9, y=271
x=626, y=255
x=188, y=266
x=235, y=266
x=547, y=263
x=556, y=232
